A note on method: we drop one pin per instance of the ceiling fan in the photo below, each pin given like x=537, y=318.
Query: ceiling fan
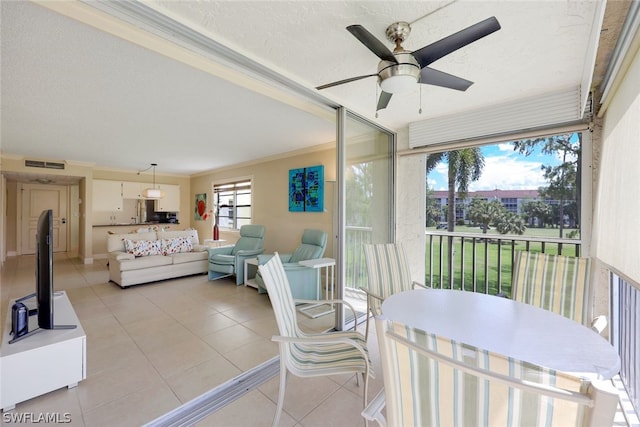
x=398, y=71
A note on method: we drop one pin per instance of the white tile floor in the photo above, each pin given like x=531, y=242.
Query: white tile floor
x=153, y=347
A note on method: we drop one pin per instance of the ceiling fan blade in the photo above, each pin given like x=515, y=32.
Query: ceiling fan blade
x=435, y=77
x=374, y=45
x=339, y=82
x=445, y=46
x=383, y=101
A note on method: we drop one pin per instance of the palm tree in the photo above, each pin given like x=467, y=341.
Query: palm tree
x=464, y=167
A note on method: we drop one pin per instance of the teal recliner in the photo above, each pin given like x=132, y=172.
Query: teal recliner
x=227, y=260
x=303, y=280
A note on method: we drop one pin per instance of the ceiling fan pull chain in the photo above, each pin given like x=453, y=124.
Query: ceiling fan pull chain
x=420, y=105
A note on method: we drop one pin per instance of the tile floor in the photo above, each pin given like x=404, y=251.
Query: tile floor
x=153, y=347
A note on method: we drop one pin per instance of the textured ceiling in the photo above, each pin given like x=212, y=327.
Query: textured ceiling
x=73, y=92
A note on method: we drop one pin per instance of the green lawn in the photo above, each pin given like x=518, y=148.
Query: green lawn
x=489, y=280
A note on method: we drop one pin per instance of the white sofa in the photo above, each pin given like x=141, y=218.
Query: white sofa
x=155, y=255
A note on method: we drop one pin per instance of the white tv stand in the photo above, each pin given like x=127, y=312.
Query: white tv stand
x=43, y=362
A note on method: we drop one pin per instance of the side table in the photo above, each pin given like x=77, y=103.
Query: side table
x=329, y=265
x=214, y=243
x=253, y=262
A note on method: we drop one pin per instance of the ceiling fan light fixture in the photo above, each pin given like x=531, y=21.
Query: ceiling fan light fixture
x=398, y=83
x=399, y=77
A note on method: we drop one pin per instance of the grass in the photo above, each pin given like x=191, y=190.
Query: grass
x=493, y=276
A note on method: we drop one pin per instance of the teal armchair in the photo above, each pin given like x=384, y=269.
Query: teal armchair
x=302, y=280
x=229, y=260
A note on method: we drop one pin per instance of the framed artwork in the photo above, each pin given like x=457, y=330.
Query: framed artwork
x=306, y=189
x=200, y=211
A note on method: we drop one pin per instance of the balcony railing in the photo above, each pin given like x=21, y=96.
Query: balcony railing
x=482, y=262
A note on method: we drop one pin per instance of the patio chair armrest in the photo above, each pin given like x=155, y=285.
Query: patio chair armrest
x=599, y=323
x=420, y=285
x=371, y=294
x=330, y=301
x=373, y=410
x=322, y=339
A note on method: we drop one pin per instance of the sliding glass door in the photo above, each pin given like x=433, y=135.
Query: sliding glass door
x=365, y=185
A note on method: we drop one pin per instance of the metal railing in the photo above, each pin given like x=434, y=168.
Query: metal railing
x=625, y=321
x=355, y=267
x=482, y=262
x=469, y=261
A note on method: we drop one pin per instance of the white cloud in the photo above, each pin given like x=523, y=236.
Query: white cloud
x=505, y=146
x=507, y=173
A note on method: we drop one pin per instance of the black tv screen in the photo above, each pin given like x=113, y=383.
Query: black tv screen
x=44, y=269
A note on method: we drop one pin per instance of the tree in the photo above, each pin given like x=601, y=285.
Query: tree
x=483, y=212
x=432, y=210
x=464, y=167
x=510, y=223
x=564, y=179
x=536, y=209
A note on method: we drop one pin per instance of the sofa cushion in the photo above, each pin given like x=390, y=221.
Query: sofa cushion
x=145, y=262
x=141, y=248
x=181, y=258
x=115, y=242
x=176, y=245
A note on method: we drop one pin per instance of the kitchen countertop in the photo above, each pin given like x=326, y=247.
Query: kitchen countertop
x=137, y=224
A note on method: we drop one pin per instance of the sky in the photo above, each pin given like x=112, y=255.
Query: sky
x=504, y=169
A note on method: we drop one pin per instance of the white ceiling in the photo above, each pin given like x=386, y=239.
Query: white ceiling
x=71, y=91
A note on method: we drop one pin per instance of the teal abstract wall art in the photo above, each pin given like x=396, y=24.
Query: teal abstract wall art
x=306, y=189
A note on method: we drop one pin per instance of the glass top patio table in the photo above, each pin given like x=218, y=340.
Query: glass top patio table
x=508, y=327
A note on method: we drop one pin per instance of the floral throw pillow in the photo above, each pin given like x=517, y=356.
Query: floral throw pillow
x=142, y=247
x=177, y=245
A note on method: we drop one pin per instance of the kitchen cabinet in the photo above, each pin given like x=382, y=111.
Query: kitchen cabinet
x=133, y=190
x=171, y=200
x=107, y=195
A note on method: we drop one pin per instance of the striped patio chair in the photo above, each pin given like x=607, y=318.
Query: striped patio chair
x=388, y=270
x=430, y=380
x=557, y=283
x=310, y=355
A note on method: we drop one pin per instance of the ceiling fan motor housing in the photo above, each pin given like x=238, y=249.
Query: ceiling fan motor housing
x=400, y=77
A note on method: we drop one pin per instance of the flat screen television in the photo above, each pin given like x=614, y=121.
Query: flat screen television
x=44, y=269
x=44, y=278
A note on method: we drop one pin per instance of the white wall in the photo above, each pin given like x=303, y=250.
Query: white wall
x=616, y=230
x=410, y=205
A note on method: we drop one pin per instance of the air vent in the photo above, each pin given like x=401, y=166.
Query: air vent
x=41, y=164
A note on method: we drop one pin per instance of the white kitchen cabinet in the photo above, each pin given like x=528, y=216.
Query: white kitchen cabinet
x=107, y=196
x=133, y=190
x=171, y=200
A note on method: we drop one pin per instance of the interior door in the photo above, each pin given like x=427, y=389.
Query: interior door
x=367, y=214
x=35, y=199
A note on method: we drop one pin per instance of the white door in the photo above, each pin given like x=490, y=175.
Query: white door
x=35, y=199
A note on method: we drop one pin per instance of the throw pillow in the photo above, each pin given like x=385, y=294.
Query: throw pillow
x=142, y=247
x=177, y=245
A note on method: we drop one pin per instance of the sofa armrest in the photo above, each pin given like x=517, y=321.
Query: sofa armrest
x=200, y=248
x=121, y=256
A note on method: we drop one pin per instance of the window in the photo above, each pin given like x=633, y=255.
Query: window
x=232, y=202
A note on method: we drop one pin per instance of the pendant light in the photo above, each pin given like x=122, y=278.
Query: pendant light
x=153, y=192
